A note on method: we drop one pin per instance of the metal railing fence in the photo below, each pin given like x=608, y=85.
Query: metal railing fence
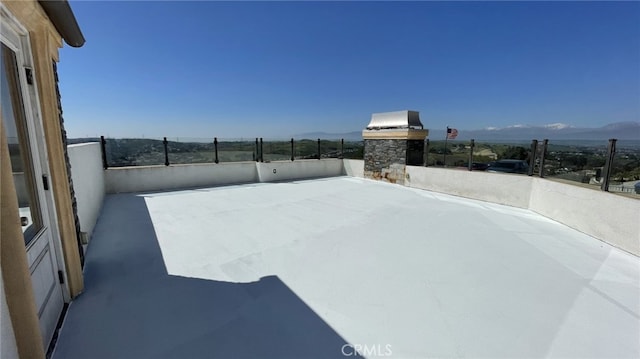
x=123, y=152
x=612, y=165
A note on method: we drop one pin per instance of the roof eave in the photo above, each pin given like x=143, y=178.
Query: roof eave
x=62, y=17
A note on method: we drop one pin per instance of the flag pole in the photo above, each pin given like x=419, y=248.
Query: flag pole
x=444, y=155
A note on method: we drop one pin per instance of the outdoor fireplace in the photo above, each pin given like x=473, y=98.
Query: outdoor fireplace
x=393, y=140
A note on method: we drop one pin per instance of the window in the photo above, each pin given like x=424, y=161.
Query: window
x=15, y=125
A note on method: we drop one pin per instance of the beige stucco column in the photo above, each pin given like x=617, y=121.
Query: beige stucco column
x=14, y=265
x=45, y=51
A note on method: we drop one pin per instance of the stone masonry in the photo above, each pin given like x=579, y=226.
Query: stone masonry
x=392, y=141
x=385, y=159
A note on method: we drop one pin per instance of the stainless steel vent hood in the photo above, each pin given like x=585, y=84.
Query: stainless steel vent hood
x=395, y=120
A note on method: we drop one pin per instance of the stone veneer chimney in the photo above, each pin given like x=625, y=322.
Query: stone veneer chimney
x=393, y=140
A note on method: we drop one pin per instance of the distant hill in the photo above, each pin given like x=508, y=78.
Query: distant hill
x=556, y=131
x=350, y=136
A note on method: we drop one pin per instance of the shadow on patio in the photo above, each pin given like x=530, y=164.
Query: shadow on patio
x=131, y=307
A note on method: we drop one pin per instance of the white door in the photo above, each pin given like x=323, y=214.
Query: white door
x=21, y=121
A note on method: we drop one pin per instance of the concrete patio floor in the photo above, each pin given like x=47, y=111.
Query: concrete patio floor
x=312, y=269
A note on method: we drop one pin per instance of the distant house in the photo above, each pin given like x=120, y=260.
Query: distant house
x=41, y=259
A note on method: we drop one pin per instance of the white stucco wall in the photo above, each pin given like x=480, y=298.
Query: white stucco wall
x=354, y=168
x=605, y=216
x=612, y=218
x=508, y=189
x=299, y=169
x=8, y=348
x=154, y=178
x=88, y=182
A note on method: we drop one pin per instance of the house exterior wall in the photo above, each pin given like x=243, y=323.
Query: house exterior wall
x=72, y=193
x=44, y=42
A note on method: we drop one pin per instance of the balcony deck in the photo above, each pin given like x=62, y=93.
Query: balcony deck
x=301, y=269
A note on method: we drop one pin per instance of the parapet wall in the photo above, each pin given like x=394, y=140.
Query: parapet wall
x=92, y=182
x=605, y=216
x=353, y=168
x=608, y=217
x=299, y=169
x=511, y=190
x=88, y=183
x=155, y=178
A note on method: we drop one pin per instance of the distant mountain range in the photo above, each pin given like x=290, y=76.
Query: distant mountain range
x=555, y=131
x=350, y=136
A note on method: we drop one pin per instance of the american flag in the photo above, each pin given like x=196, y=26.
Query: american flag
x=452, y=133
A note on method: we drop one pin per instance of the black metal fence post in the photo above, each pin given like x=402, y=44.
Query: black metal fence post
x=261, y=153
x=341, y=148
x=215, y=146
x=103, y=146
x=166, y=152
x=257, y=156
x=543, y=154
x=472, y=145
x=532, y=157
x=606, y=175
x=319, y=148
x=426, y=152
x=292, y=150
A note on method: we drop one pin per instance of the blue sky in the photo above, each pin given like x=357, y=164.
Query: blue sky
x=274, y=69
